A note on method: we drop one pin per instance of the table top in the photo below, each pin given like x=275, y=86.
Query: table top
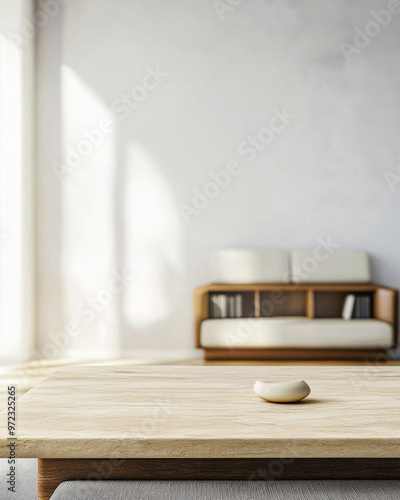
x=208, y=412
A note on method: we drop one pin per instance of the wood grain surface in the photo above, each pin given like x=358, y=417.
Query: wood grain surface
x=54, y=472
x=209, y=412
x=291, y=354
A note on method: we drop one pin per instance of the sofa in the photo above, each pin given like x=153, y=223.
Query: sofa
x=308, y=321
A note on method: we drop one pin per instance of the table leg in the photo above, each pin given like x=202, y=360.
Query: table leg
x=52, y=472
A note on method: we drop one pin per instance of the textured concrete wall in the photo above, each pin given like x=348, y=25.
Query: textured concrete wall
x=295, y=102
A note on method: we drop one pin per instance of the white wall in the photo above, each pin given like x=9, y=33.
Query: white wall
x=121, y=208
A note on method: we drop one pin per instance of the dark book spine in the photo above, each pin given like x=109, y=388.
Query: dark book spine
x=357, y=308
x=369, y=308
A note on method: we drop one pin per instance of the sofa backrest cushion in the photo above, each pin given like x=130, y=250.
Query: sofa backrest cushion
x=241, y=266
x=335, y=267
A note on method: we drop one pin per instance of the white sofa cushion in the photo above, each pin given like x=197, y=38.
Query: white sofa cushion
x=335, y=267
x=240, y=266
x=296, y=332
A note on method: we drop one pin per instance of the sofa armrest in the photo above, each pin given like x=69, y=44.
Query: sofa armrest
x=385, y=308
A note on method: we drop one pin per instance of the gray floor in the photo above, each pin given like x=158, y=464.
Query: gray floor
x=26, y=488
x=26, y=480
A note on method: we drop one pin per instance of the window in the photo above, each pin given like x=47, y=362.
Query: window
x=16, y=83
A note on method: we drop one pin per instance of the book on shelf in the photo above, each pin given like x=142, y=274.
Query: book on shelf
x=223, y=303
x=363, y=307
x=231, y=306
x=348, y=307
x=215, y=309
x=226, y=306
x=360, y=307
x=238, y=305
x=219, y=306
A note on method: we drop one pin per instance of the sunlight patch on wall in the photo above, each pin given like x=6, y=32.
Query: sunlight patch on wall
x=87, y=173
x=11, y=200
x=153, y=240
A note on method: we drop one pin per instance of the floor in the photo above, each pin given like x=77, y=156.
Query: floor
x=239, y=490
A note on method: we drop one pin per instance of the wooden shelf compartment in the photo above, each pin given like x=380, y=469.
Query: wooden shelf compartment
x=249, y=304
x=277, y=303
x=329, y=304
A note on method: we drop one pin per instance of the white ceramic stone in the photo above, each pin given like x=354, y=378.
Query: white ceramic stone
x=287, y=392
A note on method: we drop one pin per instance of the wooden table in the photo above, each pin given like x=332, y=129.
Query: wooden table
x=204, y=422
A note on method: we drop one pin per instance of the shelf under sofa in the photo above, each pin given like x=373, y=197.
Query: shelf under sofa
x=377, y=355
